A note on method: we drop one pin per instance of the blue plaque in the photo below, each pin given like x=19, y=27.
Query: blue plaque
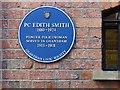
x=46, y=34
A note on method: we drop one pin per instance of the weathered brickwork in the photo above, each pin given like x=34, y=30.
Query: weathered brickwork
x=74, y=70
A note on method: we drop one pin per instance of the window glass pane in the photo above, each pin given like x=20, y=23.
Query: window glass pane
x=111, y=48
x=111, y=25
x=112, y=17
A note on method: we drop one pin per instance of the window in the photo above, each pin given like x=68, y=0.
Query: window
x=111, y=39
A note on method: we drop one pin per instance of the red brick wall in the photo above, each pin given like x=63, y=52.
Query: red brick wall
x=73, y=71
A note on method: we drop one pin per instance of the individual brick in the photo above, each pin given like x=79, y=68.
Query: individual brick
x=105, y=5
x=1, y=24
x=93, y=64
x=38, y=65
x=10, y=44
x=1, y=14
x=82, y=33
x=76, y=84
x=12, y=54
x=81, y=43
x=95, y=33
x=31, y=5
x=36, y=75
x=11, y=64
x=0, y=75
x=1, y=44
x=0, y=54
x=63, y=84
x=49, y=75
x=54, y=65
x=92, y=13
x=95, y=54
x=38, y=84
x=50, y=84
x=0, y=4
x=26, y=64
x=65, y=64
x=96, y=84
x=94, y=43
x=101, y=84
x=4, y=24
x=14, y=74
x=86, y=75
x=88, y=23
x=11, y=84
x=63, y=4
x=11, y=34
x=113, y=4
x=8, y=54
x=78, y=54
x=19, y=54
x=1, y=85
x=26, y=84
x=14, y=24
x=50, y=3
x=15, y=14
x=74, y=13
x=88, y=84
x=1, y=34
x=10, y=4
x=94, y=5
x=67, y=75
x=77, y=64
x=80, y=4
x=115, y=84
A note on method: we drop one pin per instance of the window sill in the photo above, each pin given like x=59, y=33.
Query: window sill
x=106, y=75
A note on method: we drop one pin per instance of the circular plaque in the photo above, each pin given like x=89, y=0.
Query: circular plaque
x=46, y=34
